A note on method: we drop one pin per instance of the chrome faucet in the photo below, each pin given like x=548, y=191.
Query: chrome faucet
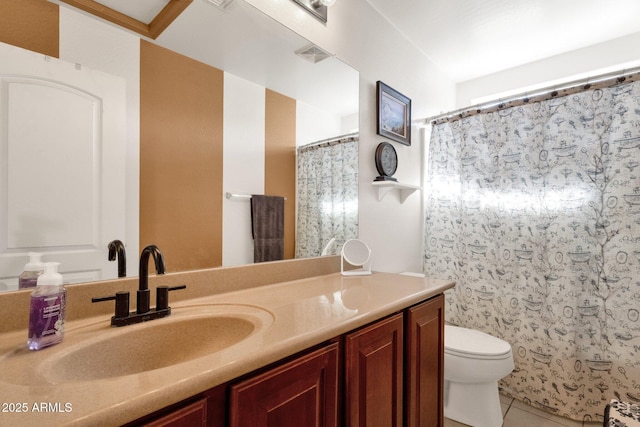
x=143, y=313
x=143, y=295
x=116, y=248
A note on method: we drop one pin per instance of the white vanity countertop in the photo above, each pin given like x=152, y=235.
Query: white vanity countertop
x=297, y=314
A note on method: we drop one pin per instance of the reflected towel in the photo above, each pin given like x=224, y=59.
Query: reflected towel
x=267, y=226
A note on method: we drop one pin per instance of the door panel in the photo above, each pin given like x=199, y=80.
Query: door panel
x=62, y=192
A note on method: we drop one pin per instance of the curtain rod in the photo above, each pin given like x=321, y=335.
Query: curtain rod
x=549, y=92
x=328, y=141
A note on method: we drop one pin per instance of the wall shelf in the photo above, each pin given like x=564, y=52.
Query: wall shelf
x=385, y=187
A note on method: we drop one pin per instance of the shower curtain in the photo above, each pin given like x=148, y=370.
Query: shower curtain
x=327, y=195
x=534, y=211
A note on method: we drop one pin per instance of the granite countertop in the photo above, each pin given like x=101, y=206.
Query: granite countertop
x=295, y=315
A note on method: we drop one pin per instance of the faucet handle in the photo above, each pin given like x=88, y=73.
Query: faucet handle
x=123, y=317
x=122, y=303
x=162, y=296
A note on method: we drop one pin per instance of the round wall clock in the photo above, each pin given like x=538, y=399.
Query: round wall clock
x=386, y=162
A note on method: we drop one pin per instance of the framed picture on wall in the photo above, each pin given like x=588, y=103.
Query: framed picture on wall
x=394, y=114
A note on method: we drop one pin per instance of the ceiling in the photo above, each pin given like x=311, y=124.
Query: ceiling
x=465, y=38
x=471, y=38
x=232, y=35
x=143, y=11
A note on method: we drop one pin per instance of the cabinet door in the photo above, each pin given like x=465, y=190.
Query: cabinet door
x=424, y=363
x=193, y=415
x=373, y=374
x=302, y=392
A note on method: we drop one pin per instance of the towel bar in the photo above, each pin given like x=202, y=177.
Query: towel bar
x=239, y=196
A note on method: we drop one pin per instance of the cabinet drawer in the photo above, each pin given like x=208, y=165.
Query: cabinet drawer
x=192, y=415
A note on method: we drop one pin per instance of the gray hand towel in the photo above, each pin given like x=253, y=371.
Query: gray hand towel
x=267, y=225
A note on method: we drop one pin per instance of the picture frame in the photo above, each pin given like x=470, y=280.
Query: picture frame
x=394, y=114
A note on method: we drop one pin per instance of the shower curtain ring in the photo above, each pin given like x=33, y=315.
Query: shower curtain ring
x=622, y=77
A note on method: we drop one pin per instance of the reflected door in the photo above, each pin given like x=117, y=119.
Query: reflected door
x=62, y=187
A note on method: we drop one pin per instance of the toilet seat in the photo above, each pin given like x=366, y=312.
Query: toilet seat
x=474, y=344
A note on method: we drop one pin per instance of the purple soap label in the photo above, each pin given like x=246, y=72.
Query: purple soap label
x=46, y=320
x=28, y=282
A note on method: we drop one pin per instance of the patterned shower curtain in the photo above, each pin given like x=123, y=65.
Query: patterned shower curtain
x=327, y=195
x=534, y=211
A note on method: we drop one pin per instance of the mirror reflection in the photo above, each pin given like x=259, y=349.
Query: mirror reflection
x=260, y=71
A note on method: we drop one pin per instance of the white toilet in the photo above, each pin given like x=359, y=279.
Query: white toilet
x=473, y=363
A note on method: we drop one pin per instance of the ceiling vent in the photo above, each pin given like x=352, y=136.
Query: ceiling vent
x=313, y=53
x=220, y=4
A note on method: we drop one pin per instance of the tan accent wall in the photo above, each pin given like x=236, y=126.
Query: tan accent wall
x=181, y=102
x=31, y=24
x=280, y=160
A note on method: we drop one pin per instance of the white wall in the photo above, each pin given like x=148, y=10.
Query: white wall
x=243, y=157
x=362, y=38
x=314, y=125
x=578, y=64
x=350, y=123
x=243, y=164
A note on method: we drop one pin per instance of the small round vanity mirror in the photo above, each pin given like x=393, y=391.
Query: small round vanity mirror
x=358, y=254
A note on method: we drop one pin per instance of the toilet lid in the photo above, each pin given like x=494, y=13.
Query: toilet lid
x=472, y=343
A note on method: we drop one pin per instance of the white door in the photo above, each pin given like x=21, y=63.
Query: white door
x=62, y=165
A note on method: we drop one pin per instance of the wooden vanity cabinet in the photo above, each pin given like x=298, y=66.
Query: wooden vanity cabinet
x=302, y=392
x=388, y=373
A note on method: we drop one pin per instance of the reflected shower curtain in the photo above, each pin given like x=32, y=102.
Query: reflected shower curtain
x=535, y=212
x=327, y=196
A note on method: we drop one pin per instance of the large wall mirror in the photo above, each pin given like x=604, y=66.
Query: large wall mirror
x=240, y=40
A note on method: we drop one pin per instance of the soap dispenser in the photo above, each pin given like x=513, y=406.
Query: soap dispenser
x=32, y=270
x=46, y=317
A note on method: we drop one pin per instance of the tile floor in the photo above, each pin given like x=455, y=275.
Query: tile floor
x=518, y=414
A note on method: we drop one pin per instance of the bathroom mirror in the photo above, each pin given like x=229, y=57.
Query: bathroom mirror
x=357, y=253
x=236, y=53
